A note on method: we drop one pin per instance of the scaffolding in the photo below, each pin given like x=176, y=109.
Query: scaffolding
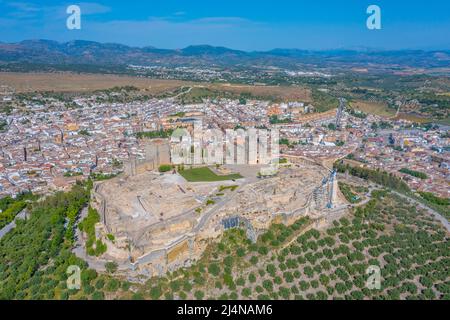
x=340, y=112
x=331, y=189
x=323, y=195
x=230, y=223
x=235, y=222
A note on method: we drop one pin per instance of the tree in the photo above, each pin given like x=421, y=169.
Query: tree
x=321, y=295
x=98, y=295
x=324, y=279
x=263, y=250
x=99, y=284
x=214, y=269
x=271, y=269
x=240, y=252
x=308, y=271
x=155, y=292
x=340, y=287
x=64, y=295
x=228, y=280
x=111, y=266
x=183, y=295
x=267, y=284
x=88, y=275
x=187, y=286
x=199, y=294
x=137, y=296
x=246, y=292
x=168, y=295
x=288, y=277
x=88, y=289
x=284, y=292
x=426, y=282
x=357, y=295
x=228, y=261
x=233, y=295
x=240, y=281
x=113, y=285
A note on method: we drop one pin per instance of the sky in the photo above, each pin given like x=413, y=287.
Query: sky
x=238, y=24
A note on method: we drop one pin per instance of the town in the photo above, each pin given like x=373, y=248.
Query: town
x=47, y=146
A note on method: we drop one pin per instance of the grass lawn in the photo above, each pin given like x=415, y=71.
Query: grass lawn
x=205, y=174
x=376, y=108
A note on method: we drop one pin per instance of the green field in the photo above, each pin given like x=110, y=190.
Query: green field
x=205, y=174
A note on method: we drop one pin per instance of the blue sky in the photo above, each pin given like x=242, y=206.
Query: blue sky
x=238, y=24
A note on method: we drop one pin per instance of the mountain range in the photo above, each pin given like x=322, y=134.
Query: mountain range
x=95, y=53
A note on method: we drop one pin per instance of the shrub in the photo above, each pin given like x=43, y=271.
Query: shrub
x=240, y=252
x=155, y=292
x=111, y=266
x=99, y=284
x=113, y=285
x=165, y=168
x=98, y=295
x=254, y=260
x=199, y=294
x=137, y=296
x=240, y=281
x=214, y=269
x=246, y=292
x=267, y=284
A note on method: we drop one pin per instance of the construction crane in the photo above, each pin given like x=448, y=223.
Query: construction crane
x=339, y=112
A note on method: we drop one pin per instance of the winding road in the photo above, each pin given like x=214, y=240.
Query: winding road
x=419, y=204
x=22, y=215
x=436, y=214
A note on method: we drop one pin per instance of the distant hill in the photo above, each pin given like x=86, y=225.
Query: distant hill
x=95, y=53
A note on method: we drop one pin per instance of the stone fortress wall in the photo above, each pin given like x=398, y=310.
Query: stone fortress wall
x=157, y=152
x=180, y=240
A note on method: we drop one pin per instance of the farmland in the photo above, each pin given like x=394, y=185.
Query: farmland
x=71, y=82
x=66, y=82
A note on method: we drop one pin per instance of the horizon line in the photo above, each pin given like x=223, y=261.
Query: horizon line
x=350, y=48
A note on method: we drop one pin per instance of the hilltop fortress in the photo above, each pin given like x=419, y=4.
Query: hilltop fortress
x=161, y=222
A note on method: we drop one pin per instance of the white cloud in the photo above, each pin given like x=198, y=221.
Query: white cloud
x=167, y=33
x=24, y=6
x=26, y=10
x=90, y=8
